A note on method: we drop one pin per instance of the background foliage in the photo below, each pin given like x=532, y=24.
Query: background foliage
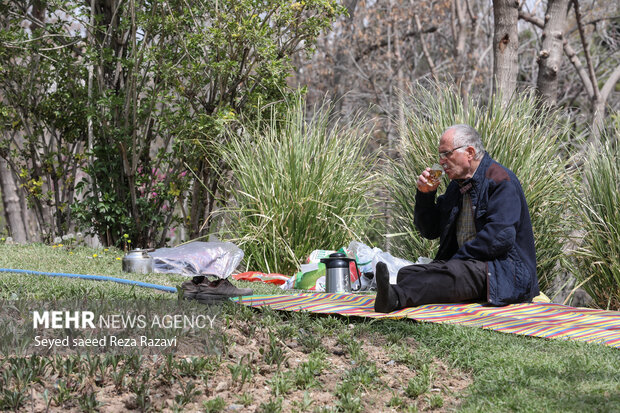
x=381, y=47
x=597, y=204
x=42, y=116
x=300, y=185
x=138, y=95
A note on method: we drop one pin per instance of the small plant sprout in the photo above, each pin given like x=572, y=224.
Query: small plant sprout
x=281, y=383
x=241, y=372
x=274, y=354
x=420, y=384
x=215, y=405
x=245, y=399
x=189, y=393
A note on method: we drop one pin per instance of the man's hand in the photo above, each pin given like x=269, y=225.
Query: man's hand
x=425, y=183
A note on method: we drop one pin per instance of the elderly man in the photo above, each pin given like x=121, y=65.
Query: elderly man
x=486, y=249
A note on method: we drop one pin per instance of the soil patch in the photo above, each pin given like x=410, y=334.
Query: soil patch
x=258, y=371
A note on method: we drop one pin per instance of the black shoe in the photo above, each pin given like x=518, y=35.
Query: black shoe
x=189, y=290
x=192, y=287
x=386, y=300
x=205, y=298
x=221, y=288
x=202, y=289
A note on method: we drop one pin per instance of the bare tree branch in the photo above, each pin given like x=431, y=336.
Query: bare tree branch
x=427, y=55
x=581, y=71
x=470, y=11
x=568, y=50
x=475, y=73
x=384, y=43
x=550, y=56
x=452, y=21
x=595, y=22
x=586, y=51
x=610, y=84
x=529, y=17
x=462, y=29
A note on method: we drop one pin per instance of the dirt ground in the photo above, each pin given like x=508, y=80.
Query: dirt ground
x=247, y=344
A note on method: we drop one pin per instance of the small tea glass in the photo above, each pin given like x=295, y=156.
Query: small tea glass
x=435, y=175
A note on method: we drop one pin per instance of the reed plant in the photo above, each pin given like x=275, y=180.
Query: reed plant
x=523, y=136
x=597, y=205
x=300, y=183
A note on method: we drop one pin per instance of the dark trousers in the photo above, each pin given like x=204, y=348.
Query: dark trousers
x=450, y=281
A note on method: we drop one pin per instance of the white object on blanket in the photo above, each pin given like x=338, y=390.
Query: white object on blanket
x=369, y=257
x=196, y=258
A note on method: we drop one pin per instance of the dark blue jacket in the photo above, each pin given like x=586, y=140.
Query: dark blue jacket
x=504, y=236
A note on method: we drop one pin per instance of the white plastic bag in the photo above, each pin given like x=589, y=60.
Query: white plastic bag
x=394, y=264
x=363, y=255
x=368, y=258
x=198, y=258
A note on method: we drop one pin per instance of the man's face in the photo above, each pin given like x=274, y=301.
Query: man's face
x=456, y=164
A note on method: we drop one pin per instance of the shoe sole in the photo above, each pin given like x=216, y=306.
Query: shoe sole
x=210, y=299
x=216, y=293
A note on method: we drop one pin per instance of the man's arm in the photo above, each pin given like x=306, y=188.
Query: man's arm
x=426, y=215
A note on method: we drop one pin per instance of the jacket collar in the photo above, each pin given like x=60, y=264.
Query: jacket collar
x=467, y=184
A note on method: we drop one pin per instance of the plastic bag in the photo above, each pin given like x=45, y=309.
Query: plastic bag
x=256, y=276
x=312, y=275
x=316, y=255
x=311, y=278
x=368, y=258
x=196, y=258
x=393, y=263
x=363, y=255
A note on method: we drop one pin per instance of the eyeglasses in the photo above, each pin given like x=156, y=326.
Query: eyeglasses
x=444, y=155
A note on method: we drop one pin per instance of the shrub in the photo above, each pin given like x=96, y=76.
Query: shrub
x=300, y=185
x=523, y=137
x=597, y=205
x=138, y=103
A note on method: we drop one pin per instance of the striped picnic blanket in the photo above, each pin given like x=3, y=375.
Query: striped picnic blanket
x=537, y=319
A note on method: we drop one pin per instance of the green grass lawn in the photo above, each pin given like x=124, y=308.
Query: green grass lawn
x=508, y=372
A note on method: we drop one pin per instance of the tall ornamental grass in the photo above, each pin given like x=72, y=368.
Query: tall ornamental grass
x=522, y=137
x=300, y=184
x=597, y=204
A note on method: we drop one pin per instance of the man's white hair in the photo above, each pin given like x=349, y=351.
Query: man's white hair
x=465, y=135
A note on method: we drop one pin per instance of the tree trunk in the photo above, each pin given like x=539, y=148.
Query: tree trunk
x=11, y=204
x=340, y=64
x=202, y=200
x=598, y=98
x=460, y=34
x=505, y=45
x=550, y=56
